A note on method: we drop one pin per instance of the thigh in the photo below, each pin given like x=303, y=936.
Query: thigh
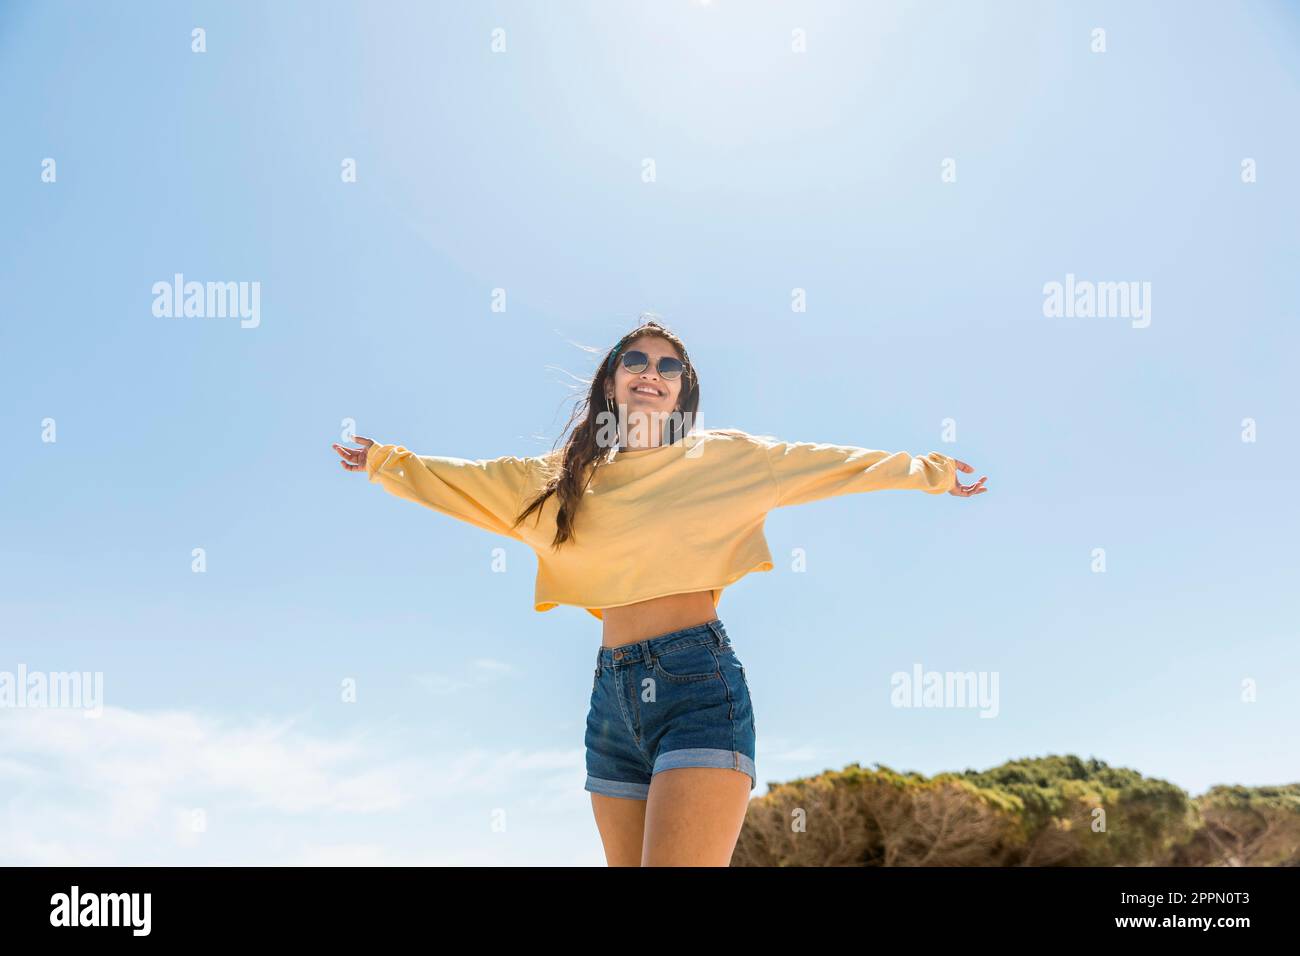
x=693, y=816
x=621, y=823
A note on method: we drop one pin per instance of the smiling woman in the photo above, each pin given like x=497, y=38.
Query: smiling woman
x=670, y=728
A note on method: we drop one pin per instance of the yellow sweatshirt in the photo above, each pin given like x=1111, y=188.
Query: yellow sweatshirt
x=654, y=521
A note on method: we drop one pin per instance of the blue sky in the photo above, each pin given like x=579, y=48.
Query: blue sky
x=523, y=170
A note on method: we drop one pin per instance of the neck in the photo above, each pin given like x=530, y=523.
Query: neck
x=642, y=431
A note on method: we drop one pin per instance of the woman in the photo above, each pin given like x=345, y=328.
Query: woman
x=644, y=520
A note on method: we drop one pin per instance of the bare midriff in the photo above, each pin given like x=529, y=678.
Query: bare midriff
x=636, y=622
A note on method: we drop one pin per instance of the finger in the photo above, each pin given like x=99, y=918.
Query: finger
x=962, y=466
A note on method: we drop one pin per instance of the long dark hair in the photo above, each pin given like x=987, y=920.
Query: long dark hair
x=572, y=467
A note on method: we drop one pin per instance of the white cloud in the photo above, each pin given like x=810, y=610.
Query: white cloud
x=133, y=788
x=482, y=670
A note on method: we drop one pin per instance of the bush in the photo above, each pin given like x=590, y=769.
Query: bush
x=1044, y=811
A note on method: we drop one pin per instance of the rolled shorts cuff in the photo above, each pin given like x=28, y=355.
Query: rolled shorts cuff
x=617, y=788
x=687, y=757
x=707, y=757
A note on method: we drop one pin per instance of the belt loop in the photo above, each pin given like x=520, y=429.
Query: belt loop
x=717, y=632
x=645, y=652
x=599, y=652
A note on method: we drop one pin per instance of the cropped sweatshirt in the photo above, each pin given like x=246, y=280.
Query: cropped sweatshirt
x=653, y=521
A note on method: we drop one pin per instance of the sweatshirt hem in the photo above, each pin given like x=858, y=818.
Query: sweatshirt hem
x=547, y=605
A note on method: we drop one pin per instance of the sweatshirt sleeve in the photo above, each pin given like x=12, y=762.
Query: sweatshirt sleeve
x=485, y=493
x=808, y=471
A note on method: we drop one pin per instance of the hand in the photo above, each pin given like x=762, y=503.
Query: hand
x=354, y=459
x=965, y=491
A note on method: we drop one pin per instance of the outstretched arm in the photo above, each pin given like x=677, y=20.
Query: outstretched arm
x=809, y=471
x=483, y=492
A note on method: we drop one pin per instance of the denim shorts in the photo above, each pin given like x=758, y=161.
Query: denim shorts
x=677, y=700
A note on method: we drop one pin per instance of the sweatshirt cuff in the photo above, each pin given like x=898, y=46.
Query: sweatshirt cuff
x=949, y=466
x=375, y=455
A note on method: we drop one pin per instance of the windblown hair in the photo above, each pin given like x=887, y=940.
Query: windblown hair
x=571, y=468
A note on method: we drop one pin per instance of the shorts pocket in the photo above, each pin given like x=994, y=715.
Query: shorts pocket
x=685, y=664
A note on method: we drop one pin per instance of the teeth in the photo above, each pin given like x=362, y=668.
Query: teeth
x=643, y=389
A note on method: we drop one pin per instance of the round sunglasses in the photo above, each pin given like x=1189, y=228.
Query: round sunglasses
x=669, y=368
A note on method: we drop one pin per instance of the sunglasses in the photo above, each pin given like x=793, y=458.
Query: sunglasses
x=668, y=367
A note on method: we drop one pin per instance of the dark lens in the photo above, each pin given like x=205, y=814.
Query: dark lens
x=670, y=368
x=635, y=361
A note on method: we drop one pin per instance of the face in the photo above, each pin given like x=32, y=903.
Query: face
x=645, y=391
